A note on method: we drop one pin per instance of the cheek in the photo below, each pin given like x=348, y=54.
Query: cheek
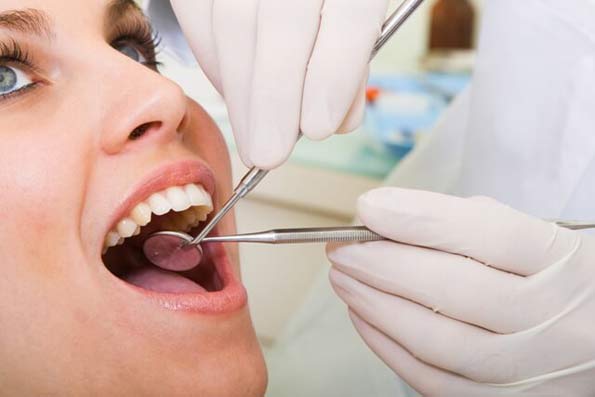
x=41, y=177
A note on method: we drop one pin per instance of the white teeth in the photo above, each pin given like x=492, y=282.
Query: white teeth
x=111, y=239
x=178, y=199
x=141, y=214
x=159, y=204
x=126, y=227
x=192, y=203
x=198, y=196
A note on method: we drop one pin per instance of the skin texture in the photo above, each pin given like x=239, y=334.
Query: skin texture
x=65, y=164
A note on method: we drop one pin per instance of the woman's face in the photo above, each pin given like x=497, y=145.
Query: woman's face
x=90, y=131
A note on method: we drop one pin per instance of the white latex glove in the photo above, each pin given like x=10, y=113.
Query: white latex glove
x=284, y=65
x=497, y=303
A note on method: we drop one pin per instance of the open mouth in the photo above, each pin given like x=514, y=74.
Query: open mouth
x=178, y=208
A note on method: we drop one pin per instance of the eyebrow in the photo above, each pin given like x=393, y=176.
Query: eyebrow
x=28, y=20
x=35, y=21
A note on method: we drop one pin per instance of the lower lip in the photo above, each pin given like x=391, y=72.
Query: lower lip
x=230, y=298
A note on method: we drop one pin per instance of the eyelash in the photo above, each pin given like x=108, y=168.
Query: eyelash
x=11, y=51
x=141, y=34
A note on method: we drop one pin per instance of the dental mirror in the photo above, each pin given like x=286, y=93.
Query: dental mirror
x=178, y=251
x=172, y=251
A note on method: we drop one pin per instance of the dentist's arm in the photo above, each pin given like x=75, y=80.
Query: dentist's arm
x=475, y=298
x=284, y=66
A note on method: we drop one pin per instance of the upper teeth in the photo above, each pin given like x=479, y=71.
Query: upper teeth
x=192, y=202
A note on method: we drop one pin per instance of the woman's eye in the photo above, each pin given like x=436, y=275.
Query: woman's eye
x=131, y=52
x=13, y=79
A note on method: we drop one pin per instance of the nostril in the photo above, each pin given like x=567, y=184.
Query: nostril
x=141, y=130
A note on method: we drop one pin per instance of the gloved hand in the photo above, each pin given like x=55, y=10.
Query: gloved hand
x=473, y=298
x=284, y=66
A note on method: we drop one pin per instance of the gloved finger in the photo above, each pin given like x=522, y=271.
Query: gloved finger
x=348, y=30
x=453, y=285
x=432, y=381
x=356, y=112
x=523, y=339
x=440, y=341
x=286, y=34
x=234, y=29
x=485, y=230
x=195, y=21
x=426, y=379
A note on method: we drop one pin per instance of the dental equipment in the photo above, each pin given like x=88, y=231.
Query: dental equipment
x=157, y=253
x=182, y=253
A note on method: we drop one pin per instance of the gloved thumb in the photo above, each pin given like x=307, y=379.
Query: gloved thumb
x=483, y=229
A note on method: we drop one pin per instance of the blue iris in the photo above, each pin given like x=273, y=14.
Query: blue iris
x=130, y=51
x=8, y=79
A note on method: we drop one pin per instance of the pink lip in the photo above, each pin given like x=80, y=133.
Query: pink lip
x=233, y=296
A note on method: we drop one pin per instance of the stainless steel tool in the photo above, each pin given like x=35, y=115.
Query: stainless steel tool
x=182, y=254
x=163, y=251
x=575, y=225
x=292, y=236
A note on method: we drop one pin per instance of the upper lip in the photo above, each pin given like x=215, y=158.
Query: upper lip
x=172, y=174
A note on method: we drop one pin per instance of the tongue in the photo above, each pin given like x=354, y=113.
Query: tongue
x=163, y=281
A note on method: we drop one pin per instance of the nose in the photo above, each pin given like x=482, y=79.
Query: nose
x=138, y=104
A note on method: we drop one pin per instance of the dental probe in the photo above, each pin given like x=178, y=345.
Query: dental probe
x=169, y=250
x=256, y=175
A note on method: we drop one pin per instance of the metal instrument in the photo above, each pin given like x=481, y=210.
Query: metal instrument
x=177, y=251
x=300, y=236
x=174, y=244
x=182, y=253
x=575, y=225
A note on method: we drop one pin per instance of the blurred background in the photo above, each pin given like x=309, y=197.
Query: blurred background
x=413, y=79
